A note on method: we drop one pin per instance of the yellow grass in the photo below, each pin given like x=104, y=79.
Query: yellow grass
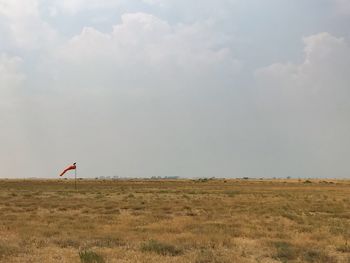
x=175, y=221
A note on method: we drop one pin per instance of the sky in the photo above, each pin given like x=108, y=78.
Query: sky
x=141, y=88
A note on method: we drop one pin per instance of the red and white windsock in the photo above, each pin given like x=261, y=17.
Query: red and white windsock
x=71, y=167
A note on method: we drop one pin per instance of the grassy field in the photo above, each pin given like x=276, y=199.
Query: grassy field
x=198, y=221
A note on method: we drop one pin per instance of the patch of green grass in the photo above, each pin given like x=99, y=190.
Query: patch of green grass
x=87, y=256
x=6, y=251
x=316, y=255
x=131, y=196
x=232, y=193
x=285, y=251
x=161, y=248
x=344, y=248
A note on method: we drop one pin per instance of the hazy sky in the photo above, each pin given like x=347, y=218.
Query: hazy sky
x=139, y=88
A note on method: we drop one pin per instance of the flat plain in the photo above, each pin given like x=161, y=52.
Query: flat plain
x=198, y=221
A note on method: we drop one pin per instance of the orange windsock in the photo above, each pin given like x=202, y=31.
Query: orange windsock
x=71, y=167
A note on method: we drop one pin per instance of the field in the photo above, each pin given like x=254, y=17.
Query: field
x=198, y=221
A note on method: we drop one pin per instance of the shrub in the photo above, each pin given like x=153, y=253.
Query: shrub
x=285, y=252
x=90, y=257
x=65, y=243
x=316, y=255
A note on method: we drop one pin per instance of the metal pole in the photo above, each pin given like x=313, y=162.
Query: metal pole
x=75, y=177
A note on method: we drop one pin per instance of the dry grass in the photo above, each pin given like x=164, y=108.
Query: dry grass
x=198, y=221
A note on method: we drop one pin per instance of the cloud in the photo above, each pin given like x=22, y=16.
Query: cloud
x=73, y=7
x=145, y=49
x=307, y=103
x=325, y=69
x=22, y=25
x=18, y=8
x=114, y=98
x=145, y=88
x=133, y=100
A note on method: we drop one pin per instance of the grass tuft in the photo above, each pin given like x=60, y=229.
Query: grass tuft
x=316, y=255
x=344, y=248
x=7, y=251
x=161, y=248
x=208, y=256
x=285, y=251
x=108, y=242
x=87, y=256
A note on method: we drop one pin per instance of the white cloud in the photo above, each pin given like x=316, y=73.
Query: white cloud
x=325, y=68
x=162, y=92
x=73, y=7
x=22, y=24
x=17, y=8
x=143, y=43
x=307, y=103
x=144, y=81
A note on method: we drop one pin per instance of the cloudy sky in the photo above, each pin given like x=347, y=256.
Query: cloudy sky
x=140, y=88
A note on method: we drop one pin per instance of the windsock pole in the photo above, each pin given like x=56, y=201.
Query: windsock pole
x=75, y=178
x=72, y=167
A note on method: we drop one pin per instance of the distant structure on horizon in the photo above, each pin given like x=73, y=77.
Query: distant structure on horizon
x=165, y=177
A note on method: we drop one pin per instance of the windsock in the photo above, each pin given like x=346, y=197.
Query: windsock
x=71, y=167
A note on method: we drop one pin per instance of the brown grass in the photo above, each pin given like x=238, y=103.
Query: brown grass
x=196, y=221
